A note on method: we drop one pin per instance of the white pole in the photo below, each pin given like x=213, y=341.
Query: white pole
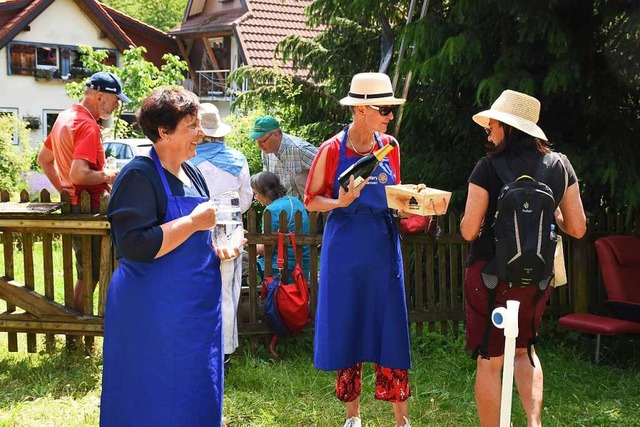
x=507, y=319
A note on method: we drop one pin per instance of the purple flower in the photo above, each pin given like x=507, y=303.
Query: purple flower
x=37, y=181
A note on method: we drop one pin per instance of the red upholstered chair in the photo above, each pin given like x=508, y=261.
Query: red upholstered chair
x=619, y=260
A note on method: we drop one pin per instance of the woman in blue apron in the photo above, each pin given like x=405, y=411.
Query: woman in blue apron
x=163, y=325
x=361, y=314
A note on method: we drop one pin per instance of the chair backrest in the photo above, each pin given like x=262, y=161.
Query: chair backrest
x=619, y=259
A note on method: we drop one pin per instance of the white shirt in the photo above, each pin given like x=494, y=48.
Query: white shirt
x=220, y=181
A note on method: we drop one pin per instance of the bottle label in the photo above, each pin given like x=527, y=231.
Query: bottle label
x=357, y=181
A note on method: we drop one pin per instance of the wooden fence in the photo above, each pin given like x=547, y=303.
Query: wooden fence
x=434, y=270
x=24, y=225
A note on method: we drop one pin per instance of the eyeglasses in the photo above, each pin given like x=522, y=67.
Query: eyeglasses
x=383, y=110
x=490, y=128
x=264, y=138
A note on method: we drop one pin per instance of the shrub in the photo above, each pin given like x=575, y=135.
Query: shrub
x=15, y=159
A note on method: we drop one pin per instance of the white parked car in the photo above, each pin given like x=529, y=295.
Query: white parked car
x=126, y=149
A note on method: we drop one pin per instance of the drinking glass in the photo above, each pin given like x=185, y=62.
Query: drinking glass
x=110, y=165
x=228, y=232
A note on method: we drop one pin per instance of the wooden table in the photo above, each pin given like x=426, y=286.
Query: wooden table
x=29, y=207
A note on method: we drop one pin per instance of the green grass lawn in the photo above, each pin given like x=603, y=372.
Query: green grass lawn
x=63, y=388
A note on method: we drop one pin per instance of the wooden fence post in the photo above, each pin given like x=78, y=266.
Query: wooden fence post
x=434, y=271
x=12, y=337
x=580, y=280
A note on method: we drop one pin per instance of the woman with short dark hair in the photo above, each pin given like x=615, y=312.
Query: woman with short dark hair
x=163, y=324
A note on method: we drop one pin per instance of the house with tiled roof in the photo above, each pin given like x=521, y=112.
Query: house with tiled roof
x=38, y=52
x=218, y=36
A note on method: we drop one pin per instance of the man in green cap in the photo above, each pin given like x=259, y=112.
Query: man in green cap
x=287, y=156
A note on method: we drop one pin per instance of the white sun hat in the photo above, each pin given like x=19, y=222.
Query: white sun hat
x=371, y=89
x=515, y=109
x=211, y=123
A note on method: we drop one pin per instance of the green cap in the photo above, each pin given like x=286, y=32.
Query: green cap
x=263, y=125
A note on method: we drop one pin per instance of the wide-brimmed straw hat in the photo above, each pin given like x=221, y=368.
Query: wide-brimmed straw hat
x=211, y=123
x=515, y=109
x=371, y=89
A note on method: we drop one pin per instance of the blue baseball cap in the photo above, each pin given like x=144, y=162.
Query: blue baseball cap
x=104, y=81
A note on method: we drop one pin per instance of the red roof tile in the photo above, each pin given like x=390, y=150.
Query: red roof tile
x=118, y=16
x=259, y=29
x=266, y=25
x=155, y=41
x=25, y=12
x=15, y=15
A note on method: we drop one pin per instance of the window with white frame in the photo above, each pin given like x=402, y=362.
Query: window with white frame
x=47, y=57
x=50, y=117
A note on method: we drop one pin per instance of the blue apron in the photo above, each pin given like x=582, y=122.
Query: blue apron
x=361, y=314
x=163, y=334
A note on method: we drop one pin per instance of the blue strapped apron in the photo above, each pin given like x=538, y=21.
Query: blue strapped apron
x=163, y=334
x=361, y=314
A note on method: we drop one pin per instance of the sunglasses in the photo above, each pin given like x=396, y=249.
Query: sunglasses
x=490, y=128
x=383, y=110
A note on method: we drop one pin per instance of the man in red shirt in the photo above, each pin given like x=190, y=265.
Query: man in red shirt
x=72, y=157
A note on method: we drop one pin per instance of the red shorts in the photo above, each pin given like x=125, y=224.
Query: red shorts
x=476, y=304
x=392, y=385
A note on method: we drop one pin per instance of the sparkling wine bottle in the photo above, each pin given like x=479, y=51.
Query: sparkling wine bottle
x=365, y=166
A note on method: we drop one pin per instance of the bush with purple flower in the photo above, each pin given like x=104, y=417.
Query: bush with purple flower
x=36, y=182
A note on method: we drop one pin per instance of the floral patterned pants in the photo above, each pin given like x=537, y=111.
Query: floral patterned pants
x=392, y=385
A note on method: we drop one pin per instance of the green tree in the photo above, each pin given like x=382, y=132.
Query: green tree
x=578, y=58
x=139, y=76
x=238, y=138
x=573, y=56
x=308, y=106
x=15, y=159
x=302, y=108
x=161, y=14
x=349, y=44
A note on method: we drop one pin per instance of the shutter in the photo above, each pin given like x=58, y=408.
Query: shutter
x=197, y=6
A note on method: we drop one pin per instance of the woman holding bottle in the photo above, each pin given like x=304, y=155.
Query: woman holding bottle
x=361, y=314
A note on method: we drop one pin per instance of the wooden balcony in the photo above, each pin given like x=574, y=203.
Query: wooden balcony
x=213, y=85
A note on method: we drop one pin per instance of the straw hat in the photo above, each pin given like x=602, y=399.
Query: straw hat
x=211, y=123
x=371, y=89
x=515, y=109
